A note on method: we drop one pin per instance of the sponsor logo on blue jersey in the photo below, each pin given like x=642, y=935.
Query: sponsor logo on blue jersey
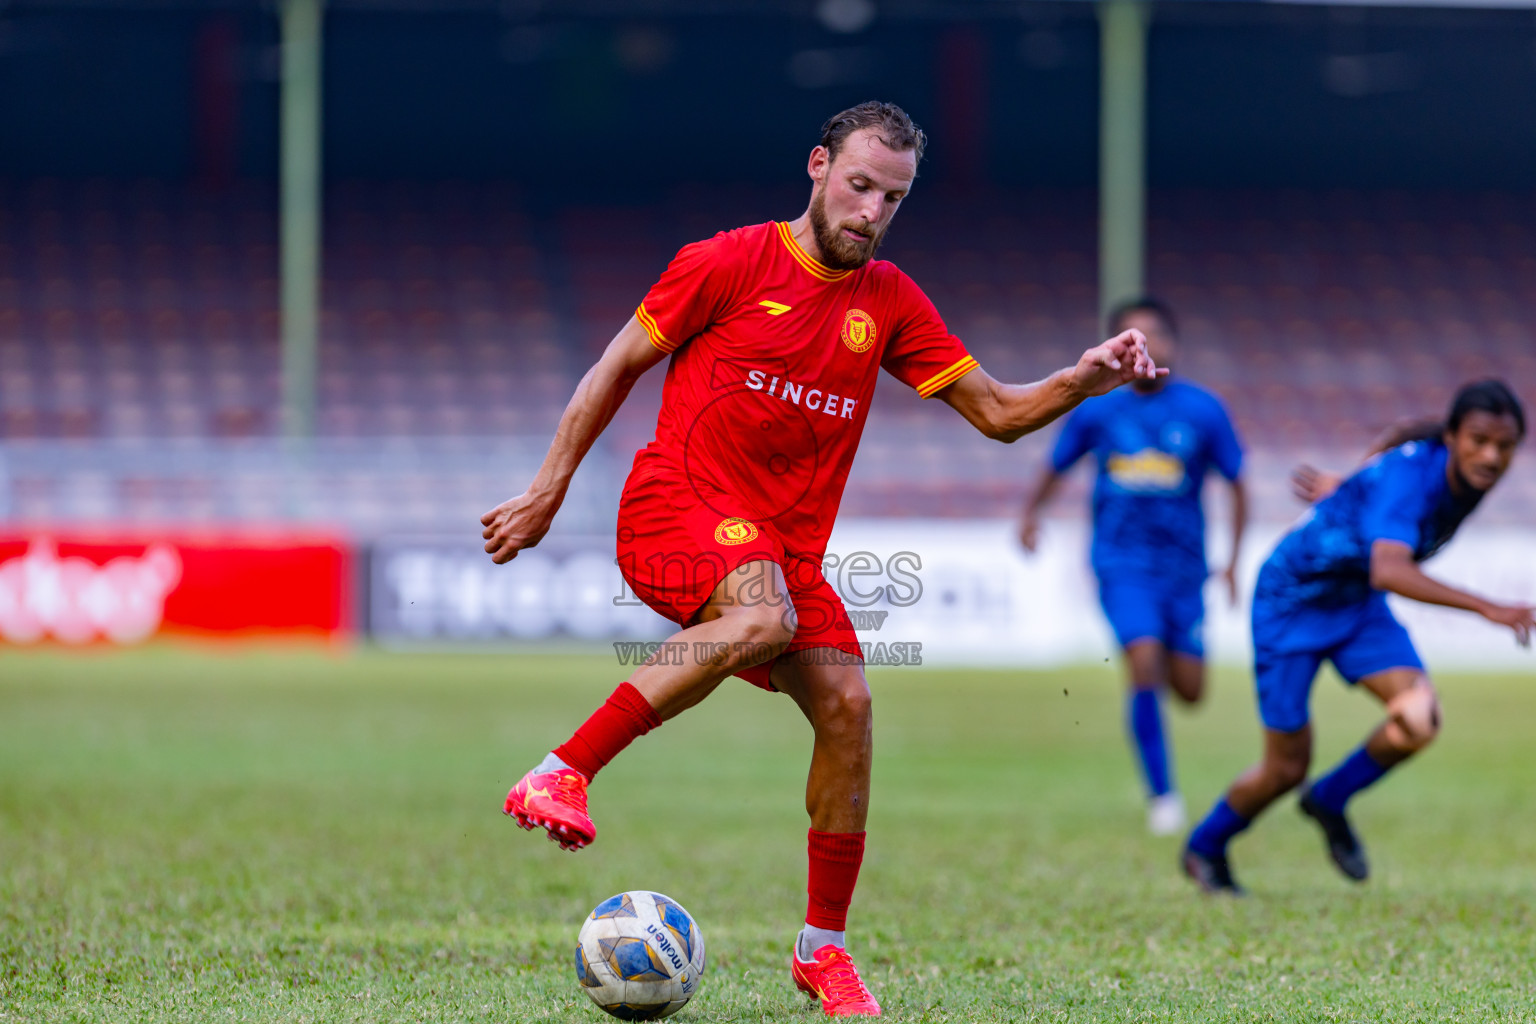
x=1153, y=452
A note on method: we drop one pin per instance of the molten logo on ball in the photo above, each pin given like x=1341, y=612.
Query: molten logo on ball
x=639, y=955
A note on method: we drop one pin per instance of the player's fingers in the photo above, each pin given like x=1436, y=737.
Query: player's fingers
x=1121, y=346
x=1128, y=339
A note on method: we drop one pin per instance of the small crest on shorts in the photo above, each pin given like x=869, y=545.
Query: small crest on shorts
x=858, y=330
x=733, y=531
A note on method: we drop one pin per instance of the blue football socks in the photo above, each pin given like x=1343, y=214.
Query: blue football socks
x=1212, y=835
x=1144, y=715
x=1354, y=773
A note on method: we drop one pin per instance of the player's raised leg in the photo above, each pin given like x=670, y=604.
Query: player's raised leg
x=1413, y=722
x=1186, y=676
x=738, y=634
x=829, y=686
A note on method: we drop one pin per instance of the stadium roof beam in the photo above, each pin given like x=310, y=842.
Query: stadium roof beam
x=1122, y=150
x=300, y=272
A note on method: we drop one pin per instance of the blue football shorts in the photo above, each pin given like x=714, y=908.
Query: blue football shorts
x=1139, y=608
x=1374, y=642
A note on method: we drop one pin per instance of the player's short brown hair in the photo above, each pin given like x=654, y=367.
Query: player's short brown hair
x=891, y=124
x=1143, y=304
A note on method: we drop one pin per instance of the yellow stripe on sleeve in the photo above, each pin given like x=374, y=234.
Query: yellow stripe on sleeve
x=653, y=330
x=944, y=378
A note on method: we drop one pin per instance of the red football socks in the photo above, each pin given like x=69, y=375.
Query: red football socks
x=835, y=859
x=612, y=727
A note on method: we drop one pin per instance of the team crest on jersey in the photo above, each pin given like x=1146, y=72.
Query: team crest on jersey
x=733, y=531
x=858, y=330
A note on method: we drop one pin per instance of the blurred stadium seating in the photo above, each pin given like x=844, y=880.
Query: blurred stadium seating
x=139, y=325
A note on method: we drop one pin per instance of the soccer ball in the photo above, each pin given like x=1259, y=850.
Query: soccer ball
x=639, y=955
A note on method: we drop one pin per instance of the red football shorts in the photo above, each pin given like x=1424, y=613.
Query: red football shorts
x=675, y=547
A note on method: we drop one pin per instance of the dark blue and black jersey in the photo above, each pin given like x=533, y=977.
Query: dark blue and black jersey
x=1153, y=450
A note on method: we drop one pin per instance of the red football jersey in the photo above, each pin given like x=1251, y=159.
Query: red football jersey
x=774, y=361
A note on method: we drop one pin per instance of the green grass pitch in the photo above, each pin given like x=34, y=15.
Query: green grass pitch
x=253, y=835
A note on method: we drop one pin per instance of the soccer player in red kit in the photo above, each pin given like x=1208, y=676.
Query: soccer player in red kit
x=775, y=335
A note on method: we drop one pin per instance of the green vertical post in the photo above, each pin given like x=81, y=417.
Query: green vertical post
x=1122, y=150
x=300, y=213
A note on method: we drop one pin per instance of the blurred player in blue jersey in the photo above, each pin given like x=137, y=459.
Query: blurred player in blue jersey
x=1322, y=596
x=1154, y=442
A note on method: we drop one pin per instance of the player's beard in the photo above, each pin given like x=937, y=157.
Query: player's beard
x=1148, y=387
x=838, y=251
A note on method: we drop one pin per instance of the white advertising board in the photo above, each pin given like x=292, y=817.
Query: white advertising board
x=952, y=592
x=984, y=601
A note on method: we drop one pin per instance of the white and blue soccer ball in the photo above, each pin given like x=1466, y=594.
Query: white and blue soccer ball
x=639, y=955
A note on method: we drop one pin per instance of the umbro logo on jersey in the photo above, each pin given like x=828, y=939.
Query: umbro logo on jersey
x=774, y=308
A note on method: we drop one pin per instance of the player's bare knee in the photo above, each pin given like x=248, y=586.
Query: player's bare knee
x=854, y=704
x=1186, y=678
x=1287, y=773
x=846, y=709
x=1414, y=718
x=1190, y=691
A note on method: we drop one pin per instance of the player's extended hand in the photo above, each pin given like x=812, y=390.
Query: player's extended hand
x=1029, y=534
x=1229, y=580
x=515, y=524
x=1518, y=617
x=1312, y=485
x=1117, y=361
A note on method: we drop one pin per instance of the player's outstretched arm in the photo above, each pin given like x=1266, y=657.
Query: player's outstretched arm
x=1045, y=485
x=1393, y=568
x=1239, y=526
x=1006, y=412
x=521, y=522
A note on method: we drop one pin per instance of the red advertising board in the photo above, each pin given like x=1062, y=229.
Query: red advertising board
x=124, y=587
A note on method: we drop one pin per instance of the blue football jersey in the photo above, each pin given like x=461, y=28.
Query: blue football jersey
x=1402, y=495
x=1153, y=452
